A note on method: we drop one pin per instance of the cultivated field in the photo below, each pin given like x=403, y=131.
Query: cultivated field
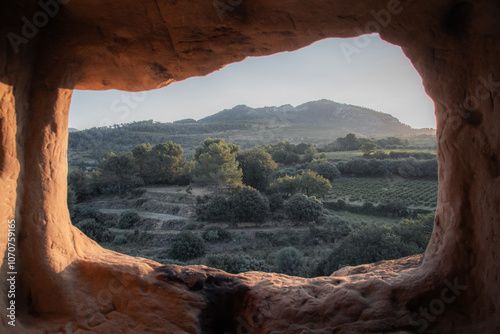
x=415, y=193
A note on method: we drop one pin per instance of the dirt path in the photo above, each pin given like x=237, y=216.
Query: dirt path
x=178, y=190
x=146, y=215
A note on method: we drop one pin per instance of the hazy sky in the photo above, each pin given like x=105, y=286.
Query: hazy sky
x=365, y=72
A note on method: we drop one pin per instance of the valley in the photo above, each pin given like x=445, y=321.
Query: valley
x=270, y=191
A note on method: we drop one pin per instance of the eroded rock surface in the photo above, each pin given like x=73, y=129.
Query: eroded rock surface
x=67, y=283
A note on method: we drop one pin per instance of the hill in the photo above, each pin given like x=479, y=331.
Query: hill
x=338, y=117
x=318, y=122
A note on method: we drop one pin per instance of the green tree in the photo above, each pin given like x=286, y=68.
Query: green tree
x=283, y=152
x=82, y=212
x=257, y=166
x=205, y=148
x=307, y=149
x=311, y=183
x=120, y=240
x=302, y=148
x=71, y=200
x=186, y=173
x=79, y=182
x=216, y=164
x=186, y=246
x=167, y=160
x=250, y=206
x=236, y=263
x=142, y=159
x=368, y=147
x=275, y=202
x=308, y=182
x=324, y=168
x=309, y=154
x=217, y=234
x=366, y=245
x=128, y=219
x=348, y=143
x=94, y=230
x=286, y=185
x=416, y=231
x=289, y=261
x=118, y=171
x=337, y=228
x=303, y=208
x=358, y=167
x=216, y=209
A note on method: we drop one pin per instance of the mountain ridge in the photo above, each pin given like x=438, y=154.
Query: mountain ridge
x=365, y=121
x=318, y=122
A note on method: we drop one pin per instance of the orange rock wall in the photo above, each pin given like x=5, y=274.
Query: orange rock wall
x=67, y=283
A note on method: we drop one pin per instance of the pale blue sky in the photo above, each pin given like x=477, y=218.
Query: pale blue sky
x=377, y=75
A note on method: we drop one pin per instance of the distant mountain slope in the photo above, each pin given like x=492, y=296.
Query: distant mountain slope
x=339, y=116
x=318, y=122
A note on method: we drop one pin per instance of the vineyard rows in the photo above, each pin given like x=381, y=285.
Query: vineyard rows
x=413, y=193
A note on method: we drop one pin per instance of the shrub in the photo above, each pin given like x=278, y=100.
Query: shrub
x=366, y=245
x=134, y=193
x=214, y=210
x=250, y=206
x=79, y=182
x=109, y=223
x=324, y=168
x=128, y=219
x=71, y=200
x=307, y=182
x=236, y=263
x=394, y=209
x=284, y=157
x=140, y=236
x=191, y=226
x=217, y=234
x=333, y=230
x=286, y=185
x=275, y=202
x=302, y=208
x=337, y=228
x=186, y=245
x=342, y=167
x=276, y=239
x=175, y=210
x=94, y=230
x=380, y=155
x=172, y=261
x=289, y=171
x=289, y=261
x=82, y=212
x=416, y=231
x=241, y=236
x=120, y=239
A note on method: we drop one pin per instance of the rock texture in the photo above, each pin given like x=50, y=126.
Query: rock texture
x=68, y=284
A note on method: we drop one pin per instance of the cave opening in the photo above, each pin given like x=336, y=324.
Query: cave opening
x=68, y=283
x=363, y=75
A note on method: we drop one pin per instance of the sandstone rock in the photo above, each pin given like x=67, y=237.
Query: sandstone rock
x=65, y=279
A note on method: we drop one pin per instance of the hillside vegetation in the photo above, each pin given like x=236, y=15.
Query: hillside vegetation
x=293, y=206
x=317, y=122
